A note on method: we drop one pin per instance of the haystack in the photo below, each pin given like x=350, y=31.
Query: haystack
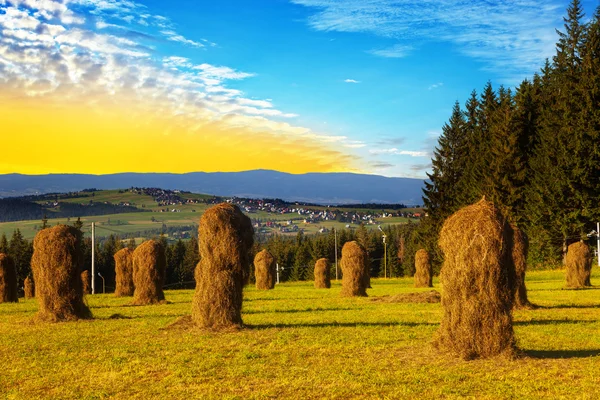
x=225, y=236
x=149, y=268
x=579, y=265
x=423, y=270
x=519, y=255
x=8, y=280
x=354, y=265
x=56, y=264
x=124, y=272
x=478, y=276
x=322, y=280
x=265, y=270
x=28, y=288
x=85, y=282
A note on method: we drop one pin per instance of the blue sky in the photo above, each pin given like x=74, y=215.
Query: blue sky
x=376, y=79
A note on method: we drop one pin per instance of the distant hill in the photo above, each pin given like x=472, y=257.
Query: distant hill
x=322, y=188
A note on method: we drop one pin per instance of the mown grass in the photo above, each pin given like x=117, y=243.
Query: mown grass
x=300, y=343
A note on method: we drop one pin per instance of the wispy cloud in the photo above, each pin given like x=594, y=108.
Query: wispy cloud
x=511, y=37
x=398, y=152
x=435, y=86
x=397, y=141
x=396, y=51
x=351, y=81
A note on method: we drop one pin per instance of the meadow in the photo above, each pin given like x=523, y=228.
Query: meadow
x=299, y=343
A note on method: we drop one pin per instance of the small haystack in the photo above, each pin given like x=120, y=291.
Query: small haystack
x=56, y=264
x=124, y=272
x=478, y=276
x=579, y=265
x=225, y=237
x=264, y=270
x=423, y=269
x=149, y=267
x=322, y=280
x=28, y=288
x=354, y=263
x=8, y=280
x=519, y=255
x=85, y=282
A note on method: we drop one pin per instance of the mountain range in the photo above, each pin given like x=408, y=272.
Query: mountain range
x=321, y=188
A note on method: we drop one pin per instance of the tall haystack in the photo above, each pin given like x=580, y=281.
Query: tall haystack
x=519, y=255
x=322, y=280
x=423, y=269
x=579, y=265
x=124, y=272
x=225, y=237
x=8, y=280
x=56, y=264
x=265, y=270
x=149, y=268
x=478, y=276
x=354, y=265
x=85, y=282
x=28, y=288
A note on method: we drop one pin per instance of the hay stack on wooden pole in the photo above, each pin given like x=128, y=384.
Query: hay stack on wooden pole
x=322, y=280
x=8, y=280
x=124, y=272
x=264, y=270
x=478, y=276
x=423, y=269
x=85, y=282
x=225, y=237
x=28, y=288
x=149, y=268
x=56, y=264
x=579, y=265
x=354, y=270
x=519, y=255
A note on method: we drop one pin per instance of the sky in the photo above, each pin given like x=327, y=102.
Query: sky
x=364, y=86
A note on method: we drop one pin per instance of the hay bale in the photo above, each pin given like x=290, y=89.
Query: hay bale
x=265, y=270
x=321, y=272
x=423, y=269
x=519, y=255
x=579, y=265
x=124, y=272
x=56, y=264
x=149, y=268
x=355, y=266
x=28, y=288
x=85, y=282
x=8, y=280
x=225, y=237
x=478, y=276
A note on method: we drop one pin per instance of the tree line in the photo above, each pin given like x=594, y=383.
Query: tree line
x=534, y=151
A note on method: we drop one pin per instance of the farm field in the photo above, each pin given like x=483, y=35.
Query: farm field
x=300, y=343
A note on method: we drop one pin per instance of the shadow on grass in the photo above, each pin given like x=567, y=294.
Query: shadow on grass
x=561, y=353
x=294, y=311
x=555, y=322
x=339, y=325
x=569, y=306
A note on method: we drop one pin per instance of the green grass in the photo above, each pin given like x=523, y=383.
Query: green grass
x=301, y=343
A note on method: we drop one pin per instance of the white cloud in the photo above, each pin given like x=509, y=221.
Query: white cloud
x=221, y=73
x=435, y=86
x=396, y=51
x=175, y=37
x=397, y=152
x=351, y=81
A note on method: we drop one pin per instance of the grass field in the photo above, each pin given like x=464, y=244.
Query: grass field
x=301, y=343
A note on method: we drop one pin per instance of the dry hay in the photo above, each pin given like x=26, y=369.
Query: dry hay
x=432, y=296
x=423, y=269
x=519, y=255
x=85, y=282
x=225, y=237
x=322, y=280
x=8, y=280
x=149, y=268
x=124, y=272
x=579, y=265
x=56, y=264
x=264, y=270
x=28, y=288
x=354, y=265
x=478, y=276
